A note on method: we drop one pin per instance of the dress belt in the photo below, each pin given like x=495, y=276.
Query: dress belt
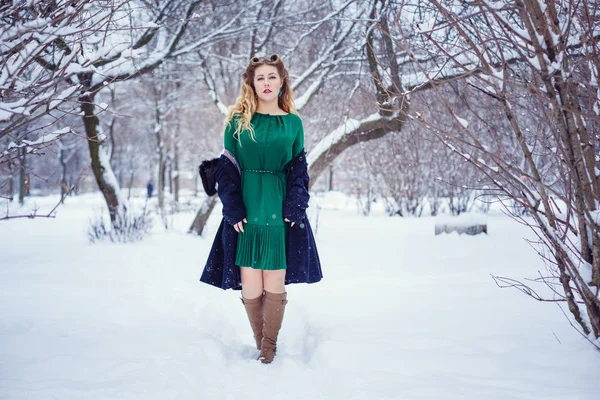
x=280, y=174
x=263, y=171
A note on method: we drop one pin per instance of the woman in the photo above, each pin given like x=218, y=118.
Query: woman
x=265, y=240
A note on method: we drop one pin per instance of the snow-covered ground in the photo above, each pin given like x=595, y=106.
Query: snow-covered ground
x=400, y=314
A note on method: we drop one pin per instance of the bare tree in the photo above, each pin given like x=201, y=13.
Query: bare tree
x=534, y=66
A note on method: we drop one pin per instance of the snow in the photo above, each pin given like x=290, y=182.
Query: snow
x=44, y=139
x=464, y=219
x=213, y=94
x=400, y=314
x=302, y=100
x=349, y=126
x=62, y=131
x=108, y=173
x=462, y=121
x=8, y=109
x=62, y=96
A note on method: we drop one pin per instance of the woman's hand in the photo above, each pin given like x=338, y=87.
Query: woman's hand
x=239, y=227
x=287, y=220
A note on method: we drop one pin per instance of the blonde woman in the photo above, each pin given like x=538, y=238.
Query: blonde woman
x=264, y=241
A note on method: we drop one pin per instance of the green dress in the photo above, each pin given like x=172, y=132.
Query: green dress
x=278, y=139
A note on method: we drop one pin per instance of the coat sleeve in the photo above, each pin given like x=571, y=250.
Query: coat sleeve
x=297, y=196
x=229, y=190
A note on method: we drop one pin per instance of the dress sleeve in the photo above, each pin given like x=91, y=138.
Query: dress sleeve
x=229, y=142
x=298, y=145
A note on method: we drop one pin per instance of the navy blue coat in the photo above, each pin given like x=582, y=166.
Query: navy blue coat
x=303, y=265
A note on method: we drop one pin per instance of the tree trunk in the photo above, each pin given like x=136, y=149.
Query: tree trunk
x=196, y=180
x=11, y=180
x=22, y=176
x=170, y=175
x=202, y=215
x=131, y=180
x=175, y=173
x=63, y=178
x=160, y=149
x=72, y=183
x=175, y=163
x=162, y=166
x=105, y=177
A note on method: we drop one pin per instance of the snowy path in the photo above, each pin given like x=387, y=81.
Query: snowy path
x=401, y=314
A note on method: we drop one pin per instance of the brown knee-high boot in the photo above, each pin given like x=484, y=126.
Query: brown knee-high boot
x=274, y=307
x=254, y=309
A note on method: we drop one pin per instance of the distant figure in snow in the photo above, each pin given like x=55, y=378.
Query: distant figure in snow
x=150, y=188
x=265, y=240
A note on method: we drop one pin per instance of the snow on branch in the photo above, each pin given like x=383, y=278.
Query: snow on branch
x=212, y=89
x=349, y=128
x=42, y=50
x=126, y=67
x=32, y=146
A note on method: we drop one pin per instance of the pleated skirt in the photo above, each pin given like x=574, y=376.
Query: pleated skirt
x=261, y=247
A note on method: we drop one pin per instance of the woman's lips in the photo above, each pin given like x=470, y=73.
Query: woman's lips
x=267, y=91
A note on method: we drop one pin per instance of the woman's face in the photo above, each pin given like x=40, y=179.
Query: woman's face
x=267, y=83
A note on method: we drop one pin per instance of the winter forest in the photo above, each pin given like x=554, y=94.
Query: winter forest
x=453, y=149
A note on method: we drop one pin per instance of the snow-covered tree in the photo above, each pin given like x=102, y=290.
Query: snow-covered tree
x=529, y=120
x=41, y=46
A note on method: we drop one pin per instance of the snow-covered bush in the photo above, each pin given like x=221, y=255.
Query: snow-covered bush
x=132, y=226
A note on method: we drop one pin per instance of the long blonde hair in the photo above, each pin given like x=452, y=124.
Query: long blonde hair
x=246, y=103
